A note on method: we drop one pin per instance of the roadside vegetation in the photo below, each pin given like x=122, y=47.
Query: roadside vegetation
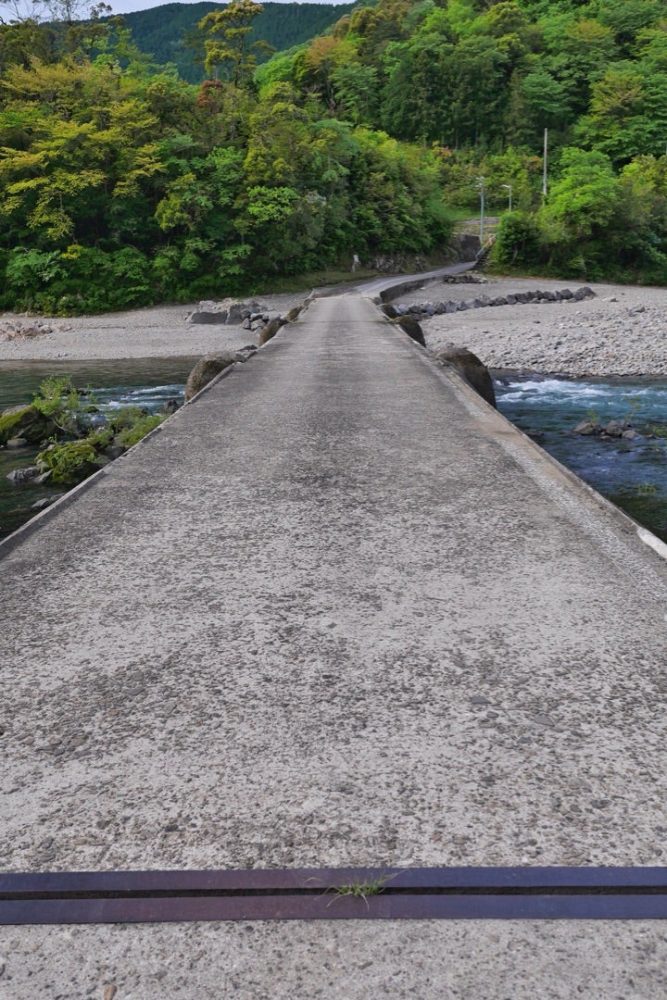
x=123, y=185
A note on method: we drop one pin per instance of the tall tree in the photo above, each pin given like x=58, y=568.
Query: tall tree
x=228, y=50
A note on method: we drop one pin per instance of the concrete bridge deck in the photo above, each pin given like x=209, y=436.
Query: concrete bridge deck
x=336, y=612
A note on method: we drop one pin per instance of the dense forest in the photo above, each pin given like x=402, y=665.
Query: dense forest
x=122, y=184
x=166, y=33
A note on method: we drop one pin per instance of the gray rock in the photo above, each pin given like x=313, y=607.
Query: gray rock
x=451, y=307
x=548, y=296
x=500, y=300
x=270, y=330
x=587, y=427
x=14, y=443
x=203, y=318
x=469, y=366
x=234, y=316
x=630, y=434
x=565, y=293
x=206, y=370
x=114, y=451
x=46, y=501
x=246, y=324
x=462, y=306
x=511, y=300
x=20, y=477
x=169, y=406
x=583, y=293
x=410, y=326
x=614, y=428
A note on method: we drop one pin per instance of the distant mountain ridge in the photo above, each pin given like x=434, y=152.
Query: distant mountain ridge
x=160, y=31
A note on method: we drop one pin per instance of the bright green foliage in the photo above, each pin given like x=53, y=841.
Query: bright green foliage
x=517, y=241
x=132, y=435
x=69, y=463
x=121, y=185
x=58, y=400
x=228, y=50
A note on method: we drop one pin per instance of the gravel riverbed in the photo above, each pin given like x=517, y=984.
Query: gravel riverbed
x=621, y=331
x=155, y=332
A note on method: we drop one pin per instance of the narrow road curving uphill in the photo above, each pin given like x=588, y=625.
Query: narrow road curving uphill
x=335, y=612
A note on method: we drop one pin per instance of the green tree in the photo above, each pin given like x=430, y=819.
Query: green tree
x=227, y=46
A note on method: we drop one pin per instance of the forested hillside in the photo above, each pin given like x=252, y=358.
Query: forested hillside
x=121, y=184
x=163, y=32
x=479, y=82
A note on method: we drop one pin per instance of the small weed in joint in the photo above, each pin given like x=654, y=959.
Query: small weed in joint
x=361, y=890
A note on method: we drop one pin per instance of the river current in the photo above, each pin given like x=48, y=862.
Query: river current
x=633, y=474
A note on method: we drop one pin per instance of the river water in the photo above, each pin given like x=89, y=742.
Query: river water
x=147, y=383
x=633, y=474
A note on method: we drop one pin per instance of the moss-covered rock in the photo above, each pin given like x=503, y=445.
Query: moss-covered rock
x=24, y=422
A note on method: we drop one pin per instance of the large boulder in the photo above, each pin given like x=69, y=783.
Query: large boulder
x=470, y=368
x=409, y=325
x=25, y=422
x=206, y=370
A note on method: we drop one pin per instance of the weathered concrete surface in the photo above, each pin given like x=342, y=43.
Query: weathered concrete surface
x=347, y=961
x=336, y=612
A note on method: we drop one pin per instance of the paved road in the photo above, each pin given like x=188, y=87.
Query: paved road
x=336, y=612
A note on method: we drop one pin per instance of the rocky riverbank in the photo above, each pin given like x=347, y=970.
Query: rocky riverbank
x=157, y=332
x=620, y=330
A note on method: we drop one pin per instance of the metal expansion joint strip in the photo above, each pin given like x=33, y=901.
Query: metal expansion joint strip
x=334, y=894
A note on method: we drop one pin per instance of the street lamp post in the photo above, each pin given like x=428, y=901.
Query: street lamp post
x=480, y=184
x=508, y=188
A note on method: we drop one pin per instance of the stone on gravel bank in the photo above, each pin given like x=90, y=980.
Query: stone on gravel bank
x=484, y=301
x=619, y=331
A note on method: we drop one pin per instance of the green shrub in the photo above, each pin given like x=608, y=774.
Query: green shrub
x=132, y=435
x=517, y=241
x=69, y=463
x=124, y=418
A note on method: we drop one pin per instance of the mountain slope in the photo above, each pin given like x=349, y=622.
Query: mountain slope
x=159, y=31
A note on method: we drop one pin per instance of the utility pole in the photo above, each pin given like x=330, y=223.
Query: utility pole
x=545, y=165
x=508, y=188
x=480, y=184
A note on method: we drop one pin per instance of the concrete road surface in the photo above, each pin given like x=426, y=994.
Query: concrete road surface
x=335, y=612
